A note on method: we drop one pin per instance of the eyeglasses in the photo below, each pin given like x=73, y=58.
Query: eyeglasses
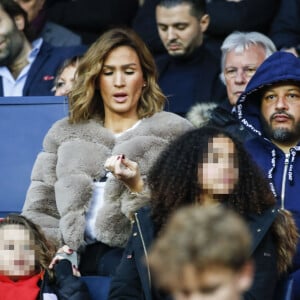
x=248, y=72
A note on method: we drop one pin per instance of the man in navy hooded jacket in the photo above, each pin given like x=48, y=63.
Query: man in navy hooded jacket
x=270, y=107
x=27, y=68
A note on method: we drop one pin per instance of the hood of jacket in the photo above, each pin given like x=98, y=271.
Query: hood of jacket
x=279, y=67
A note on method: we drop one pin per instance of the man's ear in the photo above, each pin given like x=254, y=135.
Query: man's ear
x=20, y=22
x=204, y=22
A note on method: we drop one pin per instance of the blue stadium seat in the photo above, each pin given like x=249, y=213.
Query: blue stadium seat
x=98, y=286
x=24, y=121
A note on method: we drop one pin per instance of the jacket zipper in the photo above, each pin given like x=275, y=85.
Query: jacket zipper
x=286, y=163
x=144, y=247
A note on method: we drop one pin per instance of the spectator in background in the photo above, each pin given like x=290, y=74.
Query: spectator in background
x=52, y=33
x=27, y=68
x=270, y=108
x=207, y=167
x=237, y=15
x=145, y=25
x=90, y=18
x=226, y=16
x=25, y=255
x=285, y=29
x=242, y=54
x=203, y=253
x=85, y=183
x=188, y=73
x=65, y=76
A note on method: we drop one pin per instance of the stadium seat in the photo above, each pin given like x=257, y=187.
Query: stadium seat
x=24, y=121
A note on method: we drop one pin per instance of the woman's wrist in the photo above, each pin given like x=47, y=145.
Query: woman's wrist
x=137, y=187
x=141, y=189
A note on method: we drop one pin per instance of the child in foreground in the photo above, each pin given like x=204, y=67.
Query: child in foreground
x=203, y=253
x=25, y=256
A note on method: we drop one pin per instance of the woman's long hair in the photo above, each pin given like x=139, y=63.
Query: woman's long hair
x=173, y=181
x=85, y=99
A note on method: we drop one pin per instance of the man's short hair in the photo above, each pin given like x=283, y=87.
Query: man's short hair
x=203, y=237
x=198, y=7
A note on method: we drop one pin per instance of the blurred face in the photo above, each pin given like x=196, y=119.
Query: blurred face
x=219, y=171
x=239, y=68
x=280, y=109
x=179, y=31
x=17, y=255
x=11, y=39
x=32, y=7
x=217, y=283
x=65, y=81
x=121, y=82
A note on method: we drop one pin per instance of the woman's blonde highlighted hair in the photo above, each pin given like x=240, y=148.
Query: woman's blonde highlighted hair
x=85, y=101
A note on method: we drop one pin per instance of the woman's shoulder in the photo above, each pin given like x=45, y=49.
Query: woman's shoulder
x=260, y=224
x=262, y=221
x=64, y=124
x=171, y=117
x=91, y=130
x=167, y=122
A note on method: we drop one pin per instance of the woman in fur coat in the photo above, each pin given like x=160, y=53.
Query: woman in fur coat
x=86, y=182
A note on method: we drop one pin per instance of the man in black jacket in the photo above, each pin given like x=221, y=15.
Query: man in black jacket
x=188, y=73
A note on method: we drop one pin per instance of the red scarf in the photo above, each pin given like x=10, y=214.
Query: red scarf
x=25, y=289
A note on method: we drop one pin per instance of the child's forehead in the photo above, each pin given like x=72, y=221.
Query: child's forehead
x=221, y=144
x=212, y=274
x=14, y=232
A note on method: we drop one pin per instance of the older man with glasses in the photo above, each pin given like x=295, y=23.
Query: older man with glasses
x=242, y=54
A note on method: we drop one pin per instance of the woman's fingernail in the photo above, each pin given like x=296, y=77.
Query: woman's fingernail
x=118, y=157
x=123, y=156
x=71, y=250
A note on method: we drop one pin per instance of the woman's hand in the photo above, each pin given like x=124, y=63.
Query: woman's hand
x=125, y=170
x=66, y=252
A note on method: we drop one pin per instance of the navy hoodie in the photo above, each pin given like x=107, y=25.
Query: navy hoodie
x=283, y=172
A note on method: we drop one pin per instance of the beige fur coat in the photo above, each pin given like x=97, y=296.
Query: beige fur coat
x=61, y=186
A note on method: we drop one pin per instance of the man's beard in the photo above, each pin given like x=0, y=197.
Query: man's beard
x=6, y=60
x=282, y=134
x=11, y=52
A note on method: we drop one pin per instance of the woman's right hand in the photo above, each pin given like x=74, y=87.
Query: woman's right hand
x=125, y=170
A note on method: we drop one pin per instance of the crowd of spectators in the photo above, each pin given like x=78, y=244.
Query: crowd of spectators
x=139, y=76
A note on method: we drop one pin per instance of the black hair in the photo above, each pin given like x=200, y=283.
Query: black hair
x=173, y=179
x=198, y=7
x=13, y=9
